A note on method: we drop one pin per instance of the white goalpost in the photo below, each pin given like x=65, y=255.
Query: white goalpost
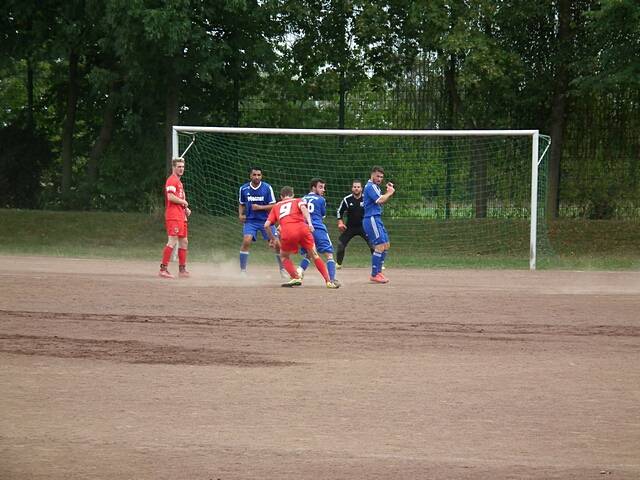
x=472, y=194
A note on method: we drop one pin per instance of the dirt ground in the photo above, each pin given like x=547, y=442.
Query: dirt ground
x=108, y=372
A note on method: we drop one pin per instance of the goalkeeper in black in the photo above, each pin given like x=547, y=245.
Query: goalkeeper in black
x=352, y=207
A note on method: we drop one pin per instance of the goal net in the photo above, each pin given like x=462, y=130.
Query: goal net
x=463, y=198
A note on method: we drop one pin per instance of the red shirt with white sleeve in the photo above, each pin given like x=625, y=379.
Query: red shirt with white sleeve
x=174, y=211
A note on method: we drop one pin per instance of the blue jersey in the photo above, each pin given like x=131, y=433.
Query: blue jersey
x=317, y=206
x=371, y=194
x=261, y=195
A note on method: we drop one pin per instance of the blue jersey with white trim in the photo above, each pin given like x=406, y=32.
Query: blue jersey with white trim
x=260, y=195
x=371, y=194
x=317, y=206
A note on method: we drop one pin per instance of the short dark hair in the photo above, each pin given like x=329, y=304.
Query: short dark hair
x=255, y=168
x=377, y=169
x=286, y=191
x=356, y=180
x=315, y=181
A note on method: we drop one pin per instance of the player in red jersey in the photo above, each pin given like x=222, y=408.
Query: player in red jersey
x=295, y=231
x=175, y=215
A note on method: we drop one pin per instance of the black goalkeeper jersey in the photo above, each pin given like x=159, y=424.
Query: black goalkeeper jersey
x=353, y=208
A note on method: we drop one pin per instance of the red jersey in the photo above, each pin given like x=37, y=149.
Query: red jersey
x=174, y=211
x=294, y=230
x=287, y=212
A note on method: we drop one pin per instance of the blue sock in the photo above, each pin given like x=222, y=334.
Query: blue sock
x=279, y=260
x=331, y=268
x=244, y=258
x=384, y=257
x=304, y=264
x=376, y=263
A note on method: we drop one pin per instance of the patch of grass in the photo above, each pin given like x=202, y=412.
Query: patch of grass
x=573, y=244
x=80, y=234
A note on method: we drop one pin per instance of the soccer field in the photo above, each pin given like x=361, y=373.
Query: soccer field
x=109, y=372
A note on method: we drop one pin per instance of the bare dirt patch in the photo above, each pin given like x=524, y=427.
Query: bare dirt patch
x=109, y=372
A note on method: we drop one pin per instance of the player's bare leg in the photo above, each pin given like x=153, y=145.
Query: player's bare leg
x=172, y=241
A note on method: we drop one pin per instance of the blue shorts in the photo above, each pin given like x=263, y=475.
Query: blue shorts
x=253, y=228
x=374, y=228
x=322, y=241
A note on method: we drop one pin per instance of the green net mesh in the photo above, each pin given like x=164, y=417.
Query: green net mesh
x=460, y=201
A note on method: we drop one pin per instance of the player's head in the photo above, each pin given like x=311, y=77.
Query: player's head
x=255, y=175
x=356, y=187
x=286, y=192
x=317, y=185
x=177, y=165
x=377, y=175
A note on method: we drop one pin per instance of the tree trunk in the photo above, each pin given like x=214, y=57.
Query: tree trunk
x=103, y=140
x=342, y=94
x=559, y=107
x=235, y=114
x=480, y=180
x=30, y=122
x=453, y=102
x=69, y=123
x=171, y=117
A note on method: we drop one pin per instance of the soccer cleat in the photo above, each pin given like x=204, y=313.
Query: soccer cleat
x=165, y=274
x=294, y=282
x=334, y=284
x=300, y=272
x=379, y=278
x=338, y=266
x=184, y=274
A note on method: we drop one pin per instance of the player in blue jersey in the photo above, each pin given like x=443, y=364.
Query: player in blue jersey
x=255, y=199
x=372, y=221
x=317, y=206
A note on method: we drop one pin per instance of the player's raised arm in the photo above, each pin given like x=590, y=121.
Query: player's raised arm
x=384, y=198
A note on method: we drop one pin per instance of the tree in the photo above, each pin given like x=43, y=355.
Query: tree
x=323, y=52
x=614, y=30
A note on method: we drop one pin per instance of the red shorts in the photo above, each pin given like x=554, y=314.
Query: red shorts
x=176, y=228
x=293, y=237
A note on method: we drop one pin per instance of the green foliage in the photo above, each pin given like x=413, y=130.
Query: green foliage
x=614, y=61
x=289, y=63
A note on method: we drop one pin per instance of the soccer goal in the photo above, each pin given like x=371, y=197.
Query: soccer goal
x=464, y=198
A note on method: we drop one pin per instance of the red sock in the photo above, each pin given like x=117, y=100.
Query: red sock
x=288, y=266
x=322, y=268
x=182, y=257
x=166, y=255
